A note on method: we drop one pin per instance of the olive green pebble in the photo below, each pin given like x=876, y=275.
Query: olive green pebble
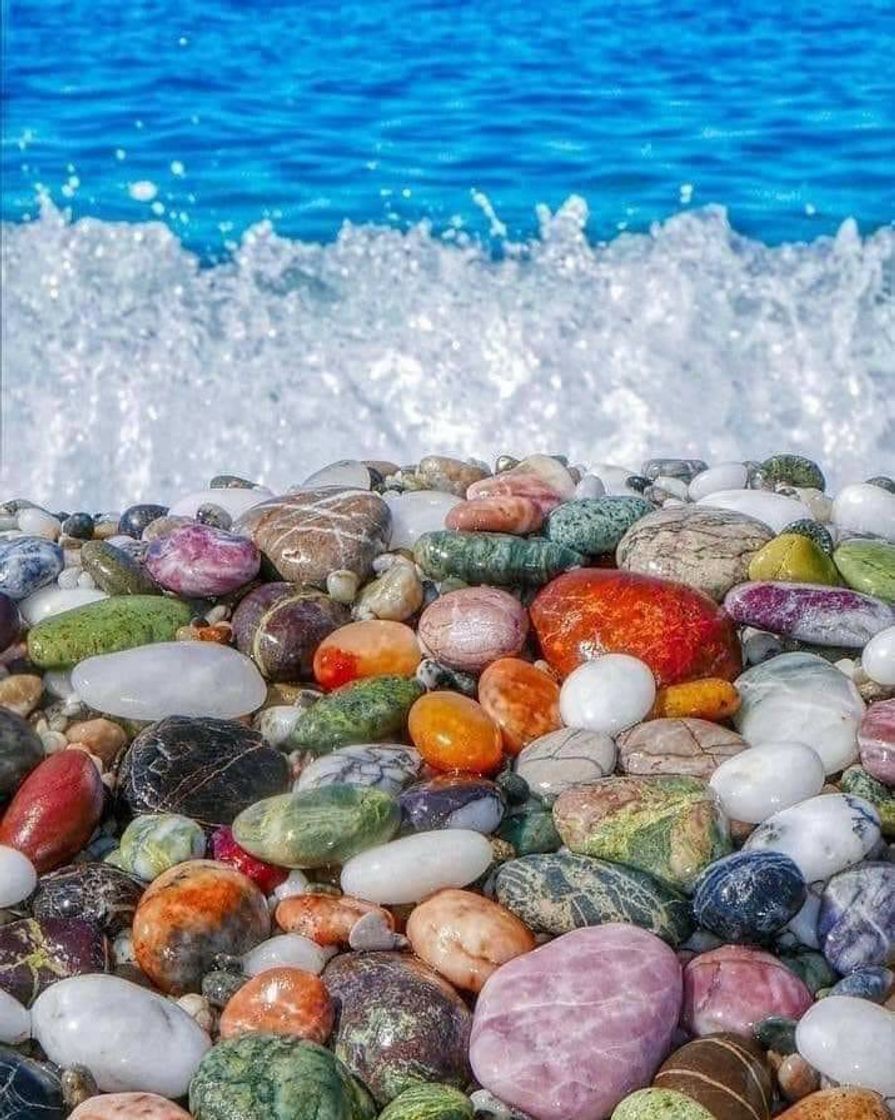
x=813, y=530
x=115, y=571
x=868, y=566
x=429, y=1102
x=595, y=525
x=497, y=559
x=793, y=558
x=364, y=711
x=660, y=1104
x=795, y=470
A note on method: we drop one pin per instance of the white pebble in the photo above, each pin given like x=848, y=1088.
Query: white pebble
x=590, y=487
x=607, y=694
x=17, y=877
x=85, y=580
x=675, y=487
x=57, y=682
x=775, y=510
x=417, y=512
x=851, y=1041
x=15, y=1020
x=295, y=883
x=865, y=508
x=762, y=780
x=409, y=869
x=235, y=501
x=48, y=601
x=878, y=657
x=346, y=472
x=723, y=476
x=68, y=578
x=289, y=950
x=36, y=522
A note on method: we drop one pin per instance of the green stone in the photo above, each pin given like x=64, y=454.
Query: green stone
x=793, y=558
x=115, y=571
x=560, y=892
x=856, y=780
x=811, y=968
x=275, y=1077
x=429, y=1102
x=317, y=827
x=884, y=482
x=529, y=828
x=106, y=626
x=795, y=470
x=154, y=842
x=868, y=566
x=595, y=525
x=813, y=530
x=493, y=558
x=777, y=1033
x=364, y=711
x=660, y=1104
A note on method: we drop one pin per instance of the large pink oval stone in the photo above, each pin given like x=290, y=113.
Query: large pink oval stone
x=470, y=628
x=568, y=1030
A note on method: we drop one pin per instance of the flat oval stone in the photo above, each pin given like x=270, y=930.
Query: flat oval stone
x=192, y=679
x=492, y=558
x=429, y=1102
x=748, y=896
x=452, y=801
x=115, y=571
x=850, y=1040
x=371, y=647
x=678, y=632
x=417, y=512
x=388, y=767
x=27, y=563
x=522, y=1049
x=775, y=510
x=856, y=922
x=364, y=711
x=689, y=747
x=50, y=601
x=286, y=1001
x=317, y=827
x=725, y=1073
x=670, y=827
x=470, y=628
x=561, y=759
x=707, y=549
x=824, y=616
x=646, y=1104
x=310, y=533
x=269, y=1077
x=865, y=508
x=408, y=869
x=190, y=914
x=558, y=892
x=155, y=842
x=876, y=741
x=21, y=750
x=868, y=566
x=162, y=768
x=595, y=525
x=97, y=892
x=131, y=1039
x=761, y=781
x=839, y=1104
x=128, y=1106
x=497, y=514
x=17, y=877
x=35, y=954
x=608, y=694
x=792, y=558
x=199, y=560
x=280, y=626
x=399, y=1023
x=29, y=1088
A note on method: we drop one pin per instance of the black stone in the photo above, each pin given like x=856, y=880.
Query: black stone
x=98, y=892
x=20, y=751
x=10, y=623
x=29, y=1090
x=78, y=525
x=135, y=519
x=215, y=516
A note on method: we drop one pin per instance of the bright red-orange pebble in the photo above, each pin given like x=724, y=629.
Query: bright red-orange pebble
x=286, y=1001
x=521, y=699
x=373, y=648
x=325, y=918
x=452, y=732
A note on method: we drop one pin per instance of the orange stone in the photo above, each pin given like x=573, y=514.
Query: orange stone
x=502, y=513
x=839, y=1104
x=128, y=1106
x=280, y=1001
x=710, y=698
x=680, y=633
x=325, y=918
x=373, y=648
x=521, y=699
x=452, y=732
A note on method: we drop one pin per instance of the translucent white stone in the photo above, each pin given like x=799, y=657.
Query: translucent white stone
x=607, y=694
x=865, y=508
x=614, y=478
x=55, y=600
x=346, y=472
x=69, y=576
x=235, y=500
x=723, y=476
x=590, y=487
x=417, y=512
x=761, y=781
x=775, y=510
x=171, y=678
x=38, y=523
x=57, y=682
x=131, y=1039
x=851, y=1041
x=295, y=883
x=287, y=950
x=409, y=869
x=17, y=877
x=15, y=1020
x=878, y=657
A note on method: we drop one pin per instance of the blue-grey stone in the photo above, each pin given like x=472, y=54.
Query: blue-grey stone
x=27, y=564
x=748, y=896
x=856, y=923
x=874, y=983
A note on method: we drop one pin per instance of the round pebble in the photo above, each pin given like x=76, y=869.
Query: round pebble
x=608, y=694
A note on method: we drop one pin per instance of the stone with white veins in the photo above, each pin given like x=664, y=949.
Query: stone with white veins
x=385, y=766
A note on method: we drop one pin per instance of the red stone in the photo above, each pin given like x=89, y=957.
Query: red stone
x=55, y=810
x=679, y=632
x=224, y=848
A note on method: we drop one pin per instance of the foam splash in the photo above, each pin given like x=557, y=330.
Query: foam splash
x=131, y=372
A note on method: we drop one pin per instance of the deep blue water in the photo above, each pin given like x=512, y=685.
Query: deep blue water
x=311, y=113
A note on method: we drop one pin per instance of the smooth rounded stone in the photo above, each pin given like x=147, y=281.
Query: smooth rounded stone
x=98, y=892
x=55, y=810
x=52, y=600
x=775, y=510
x=839, y=1104
x=191, y=913
x=155, y=842
x=78, y=525
x=397, y=594
x=822, y=835
x=716, y=479
x=328, y=919
x=595, y=525
x=688, y=747
x=795, y=470
x=26, y=564
x=734, y=987
x=851, y=1041
x=286, y=950
x=206, y=769
x=317, y=827
x=813, y=531
x=558, y=892
x=199, y=560
x=284, y=1001
x=793, y=558
x=649, y=1104
x=498, y=514
x=452, y=801
x=10, y=623
x=872, y=982
x=865, y=508
x=868, y=566
x=280, y=626
x=429, y=1102
x=15, y=1027
x=856, y=923
x=725, y=1073
x=678, y=632
x=236, y=500
x=21, y=750
x=529, y=828
x=17, y=877
x=35, y=954
x=131, y=1039
x=608, y=694
x=29, y=1090
x=107, y=626
x=763, y=780
x=349, y=473
x=129, y=1106
x=707, y=549
x=417, y=512
x=454, y=733
x=134, y=520
x=800, y=697
x=670, y=827
x=225, y=849
x=310, y=533
x=191, y=679
x=876, y=741
x=522, y=699
x=408, y=869
x=684, y=469
x=364, y=711
x=878, y=657
x=387, y=767
x=399, y=1023
x=115, y=571
x=561, y=759
x=492, y=558
x=271, y=1077
x=619, y=985
x=20, y=693
x=470, y=628
x=823, y=616
x=370, y=647
x=748, y=896
x=541, y=478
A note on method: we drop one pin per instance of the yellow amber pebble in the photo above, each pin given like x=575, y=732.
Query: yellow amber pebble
x=372, y=648
x=710, y=698
x=452, y=732
x=521, y=699
x=792, y=558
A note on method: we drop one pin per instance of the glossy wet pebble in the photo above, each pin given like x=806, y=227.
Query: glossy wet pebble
x=452, y=801
x=98, y=892
x=564, y=758
x=36, y=953
x=856, y=921
x=18, y=877
x=688, y=747
x=608, y=694
x=285, y=1001
x=384, y=766
x=281, y=625
x=408, y=869
x=725, y=1073
x=850, y=1040
x=763, y=780
x=26, y=564
x=30, y=1088
x=746, y=897
x=199, y=560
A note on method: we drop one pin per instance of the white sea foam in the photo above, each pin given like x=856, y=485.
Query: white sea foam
x=130, y=372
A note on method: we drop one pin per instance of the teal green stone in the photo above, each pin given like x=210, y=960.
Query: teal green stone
x=594, y=525
x=660, y=1104
x=115, y=571
x=561, y=892
x=529, y=828
x=154, y=842
x=317, y=827
x=856, y=780
x=275, y=1077
x=364, y=711
x=777, y=1033
x=493, y=558
x=106, y=626
x=868, y=566
x=812, y=968
x=795, y=470
x=813, y=530
x=429, y=1102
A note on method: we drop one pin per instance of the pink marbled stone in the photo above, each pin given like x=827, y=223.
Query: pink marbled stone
x=876, y=741
x=733, y=987
x=521, y=484
x=470, y=628
x=201, y=560
x=568, y=1030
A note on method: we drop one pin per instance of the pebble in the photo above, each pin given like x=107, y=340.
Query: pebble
x=492, y=558
x=347, y=473
x=417, y=512
x=646, y=1104
x=327, y=919
x=282, y=1001
x=412, y=867
x=865, y=508
x=97, y=892
x=595, y=525
x=396, y=594
x=688, y=747
x=20, y=693
x=104, y=739
x=748, y=896
x=370, y=648
x=761, y=781
x=876, y=741
x=452, y=801
x=52, y=600
x=713, y=480
x=225, y=849
x=725, y=1073
x=280, y=626
x=35, y=522
x=115, y=571
x=388, y=767
x=287, y=950
x=155, y=842
x=15, y=1022
x=839, y=1104
x=856, y=921
x=850, y=1040
x=774, y=510
x=608, y=694
x=470, y=628
x=541, y=478
x=30, y=1087
x=128, y=1106
x=200, y=560
x=429, y=1102
x=453, y=732
x=135, y=518
x=18, y=877
x=37, y=953
x=793, y=558
x=10, y=622
x=825, y=616
x=522, y=699
x=564, y=758
x=364, y=711
x=878, y=657
x=27, y=564
x=868, y=565
x=236, y=500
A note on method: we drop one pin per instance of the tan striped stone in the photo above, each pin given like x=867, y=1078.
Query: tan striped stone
x=726, y=1073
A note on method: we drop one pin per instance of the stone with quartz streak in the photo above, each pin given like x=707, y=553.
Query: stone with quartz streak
x=470, y=628
x=808, y=612
x=201, y=560
x=876, y=741
x=567, y=1031
x=129, y=1106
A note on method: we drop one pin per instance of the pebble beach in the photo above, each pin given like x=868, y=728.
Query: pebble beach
x=514, y=790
